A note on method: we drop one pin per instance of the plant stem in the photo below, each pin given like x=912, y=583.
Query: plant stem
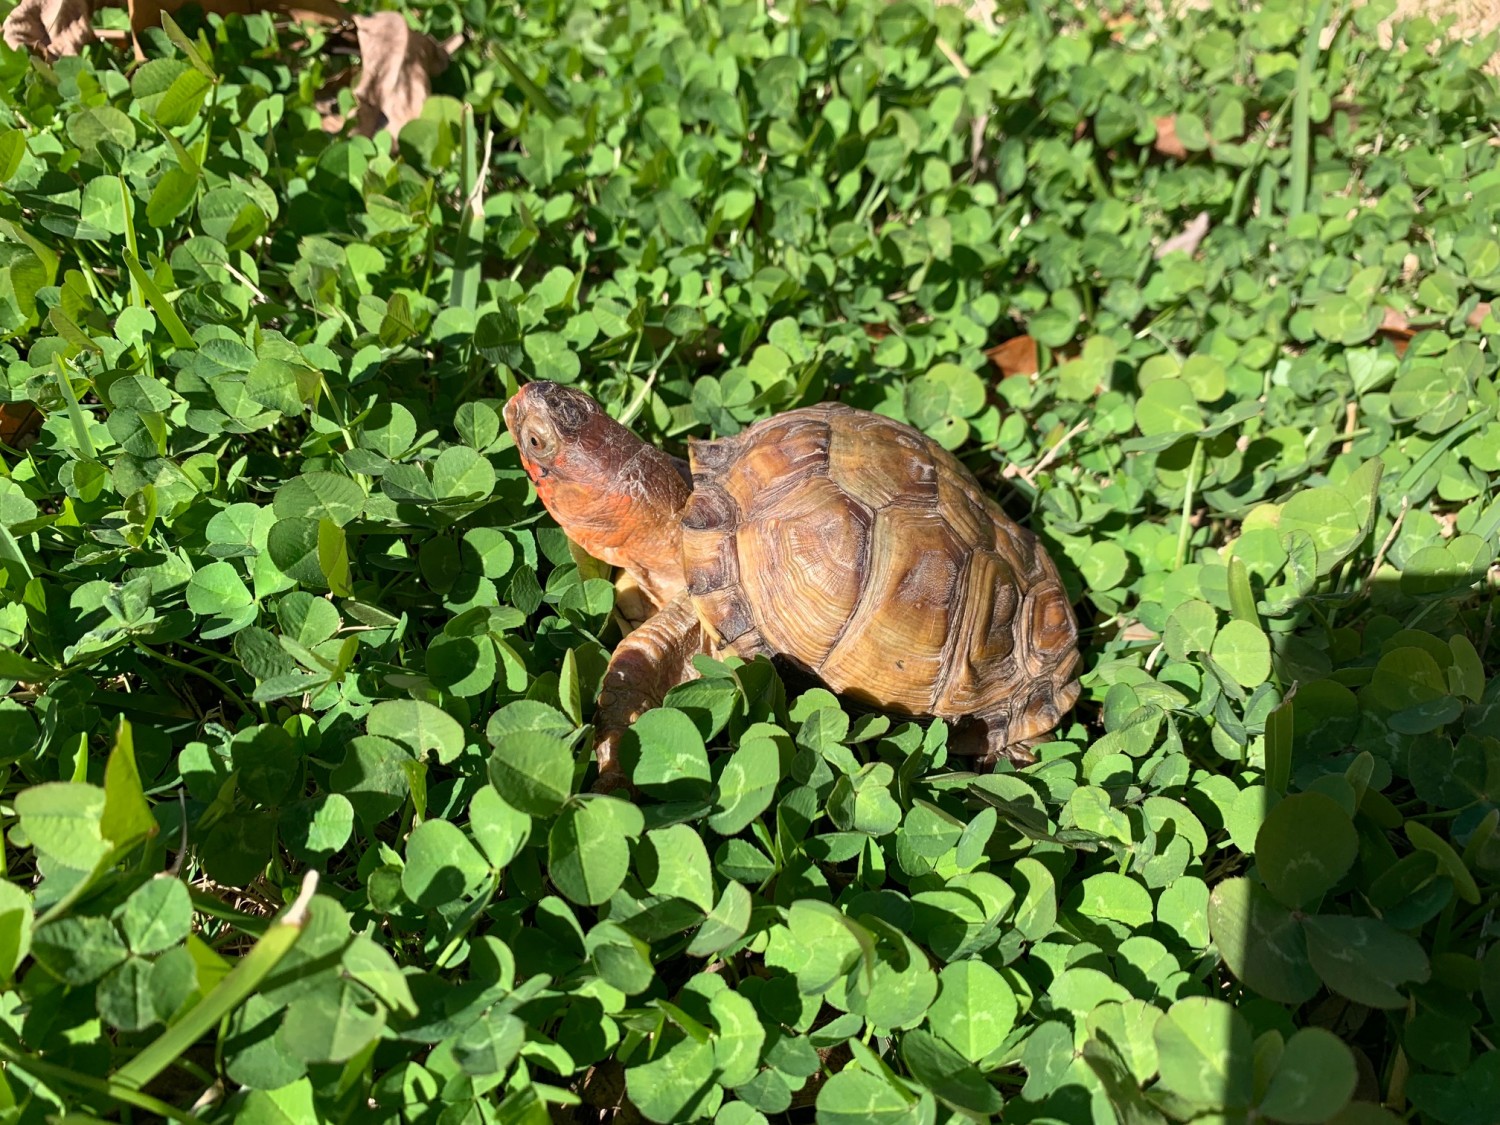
x=103, y=1086
x=195, y=670
x=1189, y=490
x=227, y=995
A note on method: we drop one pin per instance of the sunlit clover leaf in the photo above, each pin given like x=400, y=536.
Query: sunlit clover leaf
x=156, y=916
x=532, y=766
x=320, y=495
x=217, y=591
x=1243, y=651
x=677, y=1085
x=16, y=926
x=1345, y=319
x=61, y=820
x=1305, y=846
x=863, y=802
x=442, y=865
x=828, y=941
x=736, y=1031
x=332, y=1026
x=368, y=962
x=1128, y=1026
x=725, y=924
x=1047, y=1057
x=79, y=949
x=588, y=851
x=747, y=784
x=975, y=1008
x=674, y=862
x=858, y=1097
x=901, y=987
x=460, y=473
x=1205, y=1051
x=1326, y=515
x=664, y=755
x=498, y=826
x=318, y=827
x=292, y=545
x=1116, y=897
x=1168, y=407
x=418, y=725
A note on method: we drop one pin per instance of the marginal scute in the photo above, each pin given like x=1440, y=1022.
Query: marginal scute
x=708, y=459
x=709, y=561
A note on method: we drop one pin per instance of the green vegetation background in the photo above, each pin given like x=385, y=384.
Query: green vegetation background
x=272, y=585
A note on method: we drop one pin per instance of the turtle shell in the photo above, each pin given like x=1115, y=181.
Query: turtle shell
x=858, y=550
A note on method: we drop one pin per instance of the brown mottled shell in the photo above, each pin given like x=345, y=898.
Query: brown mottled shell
x=861, y=551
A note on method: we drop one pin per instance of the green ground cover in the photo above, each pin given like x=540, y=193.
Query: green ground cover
x=275, y=596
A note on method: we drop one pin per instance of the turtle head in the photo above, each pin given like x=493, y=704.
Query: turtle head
x=615, y=495
x=558, y=432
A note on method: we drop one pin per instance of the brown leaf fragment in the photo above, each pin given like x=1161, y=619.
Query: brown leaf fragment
x=1166, y=141
x=1016, y=356
x=1188, y=238
x=51, y=28
x=396, y=70
x=17, y=421
x=1476, y=318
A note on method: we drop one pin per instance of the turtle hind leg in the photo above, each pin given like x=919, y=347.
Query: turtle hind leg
x=1005, y=740
x=645, y=666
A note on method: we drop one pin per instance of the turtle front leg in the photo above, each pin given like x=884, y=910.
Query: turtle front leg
x=645, y=666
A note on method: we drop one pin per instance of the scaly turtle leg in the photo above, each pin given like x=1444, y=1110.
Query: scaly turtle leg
x=999, y=741
x=646, y=665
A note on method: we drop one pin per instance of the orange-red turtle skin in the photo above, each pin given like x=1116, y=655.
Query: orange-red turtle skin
x=840, y=542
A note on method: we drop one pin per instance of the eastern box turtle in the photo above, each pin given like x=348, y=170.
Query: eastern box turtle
x=839, y=542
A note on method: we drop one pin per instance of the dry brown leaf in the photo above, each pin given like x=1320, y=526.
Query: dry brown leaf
x=1188, y=238
x=1166, y=139
x=51, y=28
x=396, y=69
x=1015, y=357
x=17, y=420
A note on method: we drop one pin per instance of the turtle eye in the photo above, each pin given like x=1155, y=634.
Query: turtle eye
x=539, y=444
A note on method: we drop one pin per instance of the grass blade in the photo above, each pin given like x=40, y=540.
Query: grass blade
x=1296, y=200
x=160, y=303
x=227, y=995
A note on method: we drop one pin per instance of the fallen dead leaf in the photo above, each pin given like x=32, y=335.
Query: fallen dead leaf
x=50, y=28
x=1166, y=141
x=1016, y=356
x=1188, y=238
x=396, y=69
x=17, y=421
